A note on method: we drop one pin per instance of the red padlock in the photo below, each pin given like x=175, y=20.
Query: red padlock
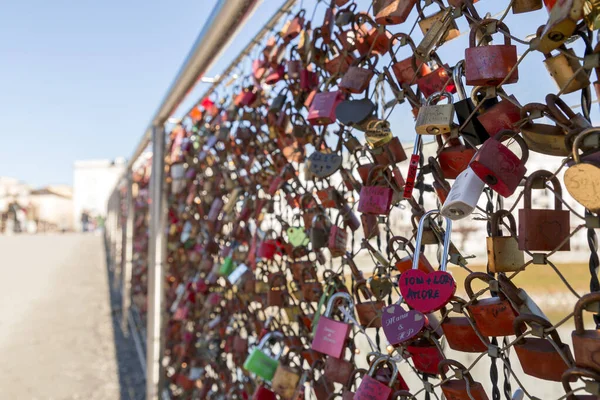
x=404, y=70
x=425, y=355
x=499, y=167
x=491, y=65
x=322, y=109
x=376, y=196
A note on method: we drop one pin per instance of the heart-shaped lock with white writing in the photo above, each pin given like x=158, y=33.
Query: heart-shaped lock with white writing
x=428, y=292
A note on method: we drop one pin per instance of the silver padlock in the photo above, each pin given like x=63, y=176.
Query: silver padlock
x=463, y=196
x=435, y=119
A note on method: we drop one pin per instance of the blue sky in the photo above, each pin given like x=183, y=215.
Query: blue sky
x=81, y=79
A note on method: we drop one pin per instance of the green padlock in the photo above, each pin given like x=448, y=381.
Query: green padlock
x=227, y=267
x=261, y=363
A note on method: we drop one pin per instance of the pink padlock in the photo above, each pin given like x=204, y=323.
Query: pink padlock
x=322, y=108
x=330, y=337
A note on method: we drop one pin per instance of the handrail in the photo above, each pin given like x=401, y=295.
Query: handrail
x=226, y=18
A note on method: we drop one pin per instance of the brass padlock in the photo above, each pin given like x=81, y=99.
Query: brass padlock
x=435, y=119
x=435, y=34
x=503, y=251
x=591, y=14
x=426, y=23
x=542, y=138
x=561, y=25
x=583, y=178
x=565, y=70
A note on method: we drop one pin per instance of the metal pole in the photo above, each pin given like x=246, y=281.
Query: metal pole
x=156, y=263
x=127, y=255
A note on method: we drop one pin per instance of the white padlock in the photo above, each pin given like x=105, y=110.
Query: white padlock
x=463, y=196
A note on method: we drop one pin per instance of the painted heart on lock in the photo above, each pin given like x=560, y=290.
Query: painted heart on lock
x=324, y=164
x=297, y=237
x=427, y=292
x=400, y=325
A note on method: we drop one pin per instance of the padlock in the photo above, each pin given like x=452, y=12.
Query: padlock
x=312, y=289
x=329, y=197
x=330, y=335
x=544, y=230
x=459, y=332
x=565, y=70
x=499, y=167
x=463, y=196
x=428, y=292
x=405, y=263
x=368, y=311
x=542, y=138
x=287, y=376
x=426, y=356
x=493, y=316
x=582, y=179
x=309, y=80
x=403, y=70
x=338, y=238
x=259, y=362
x=393, y=12
x=370, y=225
x=429, y=236
x=338, y=370
x=503, y=251
x=295, y=26
x=539, y=357
x=347, y=390
x=268, y=247
x=357, y=78
x=294, y=64
x=561, y=25
x=435, y=119
x=277, y=291
x=376, y=196
x=389, y=153
x=463, y=387
x=586, y=342
x=436, y=33
x=433, y=21
x=374, y=40
x=319, y=231
x=504, y=114
x=437, y=80
x=473, y=131
x=454, y=157
x=491, y=65
x=370, y=388
x=322, y=109
x=339, y=62
x=591, y=386
x=523, y=6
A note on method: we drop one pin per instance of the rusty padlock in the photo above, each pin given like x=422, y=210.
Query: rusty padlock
x=539, y=357
x=368, y=311
x=458, y=331
x=591, y=386
x=403, y=70
x=491, y=65
x=462, y=388
x=393, y=12
x=493, y=316
x=586, y=342
x=539, y=229
x=405, y=263
x=454, y=157
x=428, y=22
x=357, y=78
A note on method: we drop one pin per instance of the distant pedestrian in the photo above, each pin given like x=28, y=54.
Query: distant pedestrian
x=85, y=220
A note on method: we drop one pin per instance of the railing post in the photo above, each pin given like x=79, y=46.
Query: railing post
x=157, y=247
x=127, y=255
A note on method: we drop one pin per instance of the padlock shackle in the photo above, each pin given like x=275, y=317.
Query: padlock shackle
x=579, y=139
x=457, y=74
x=420, y=8
x=528, y=111
x=577, y=372
x=507, y=133
x=580, y=306
x=559, y=109
x=352, y=377
x=333, y=298
x=278, y=277
x=437, y=96
x=444, y=261
x=522, y=320
x=275, y=335
x=403, y=38
x=384, y=360
x=545, y=175
x=400, y=239
x=448, y=363
x=497, y=219
x=437, y=173
x=444, y=311
x=482, y=24
x=469, y=280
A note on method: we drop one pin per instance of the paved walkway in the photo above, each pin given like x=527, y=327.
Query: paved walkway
x=58, y=337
